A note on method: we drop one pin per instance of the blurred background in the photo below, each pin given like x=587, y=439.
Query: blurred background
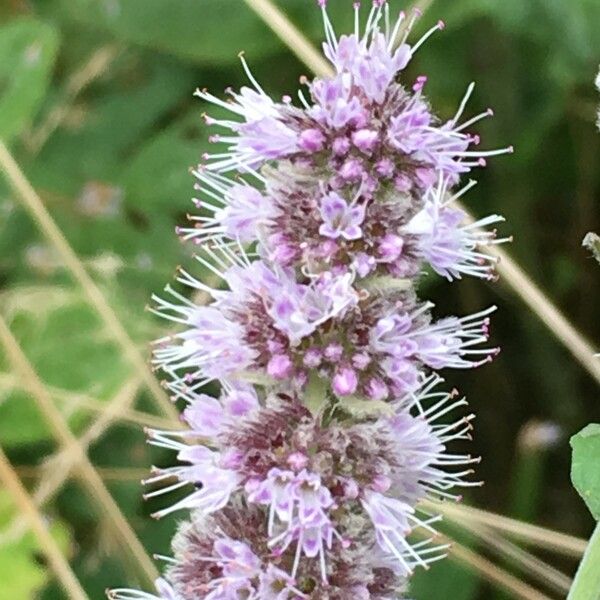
x=96, y=108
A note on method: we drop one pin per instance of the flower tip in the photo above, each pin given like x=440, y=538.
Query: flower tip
x=510, y=149
x=441, y=25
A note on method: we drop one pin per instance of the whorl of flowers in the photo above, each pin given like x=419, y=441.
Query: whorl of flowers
x=305, y=477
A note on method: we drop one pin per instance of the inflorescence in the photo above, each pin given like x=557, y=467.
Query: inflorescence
x=305, y=478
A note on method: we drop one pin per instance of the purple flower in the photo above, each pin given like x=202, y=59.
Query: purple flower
x=262, y=134
x=448, y=242
x=301, y=483
x=340, y=219
x=203, y=468
x=345, y=382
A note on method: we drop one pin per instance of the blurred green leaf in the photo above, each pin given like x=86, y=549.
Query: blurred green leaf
x=23, y=573
x=585, y=471
x=27, y=54
x=69, y=349
x=445, y=579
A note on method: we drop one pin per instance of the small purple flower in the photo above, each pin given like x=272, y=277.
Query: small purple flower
x=312, y=497
x=345, y=382
x=448, y=242
x=277, y=492
x=340, y=219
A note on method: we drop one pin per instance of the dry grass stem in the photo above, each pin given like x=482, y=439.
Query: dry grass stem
x=526, y=562
x=491, y=572
x=290, y=35
x=564, y=544
x=107, y=473
x=57, y=469
x=89, y=477
x=51, y=551
x=95, y=67
x=84, y=401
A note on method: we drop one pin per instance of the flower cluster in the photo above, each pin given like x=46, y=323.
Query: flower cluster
x=304, y=478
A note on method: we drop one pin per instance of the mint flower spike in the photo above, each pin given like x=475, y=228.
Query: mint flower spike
x=304, y=476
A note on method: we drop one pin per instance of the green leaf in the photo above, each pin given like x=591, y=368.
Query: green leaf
x=27, y=53
x=445, y=579
x=585, y=471
x=23, y=573
x=209, y=32
x=69, y=349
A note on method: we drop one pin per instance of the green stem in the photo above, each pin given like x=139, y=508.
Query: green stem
x=587, y=580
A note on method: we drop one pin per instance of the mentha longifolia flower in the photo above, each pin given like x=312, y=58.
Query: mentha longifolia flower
x=357, y=126
x=305, y=477
x=315, y=482
x=269, y=327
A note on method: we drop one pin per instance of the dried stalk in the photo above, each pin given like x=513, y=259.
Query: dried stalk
x=541, y=537
x=51, y=551
x=89, y=477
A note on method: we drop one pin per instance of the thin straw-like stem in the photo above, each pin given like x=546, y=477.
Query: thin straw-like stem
x=93, y=68
x=291, y=36
x=107, y=473
x=509, y=270
x=526, y=562
x=84, y=401
x=51, y=551
x=488, y=570
x=89, y=477
x=34, y=205
x=58, y=468
x=541, y=537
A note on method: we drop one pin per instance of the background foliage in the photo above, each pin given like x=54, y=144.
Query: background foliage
x=113, y=171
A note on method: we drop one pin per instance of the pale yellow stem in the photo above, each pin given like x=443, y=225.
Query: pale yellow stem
x=34, y=205
x=493, y=573
x=97, y=64
x=525, y=561
x=290, y=35
x=107, y=473
x=510, y=271
x=541, y=537
x=89, y=477
x=51, y=551
x=87, y=402
x=58, y=467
